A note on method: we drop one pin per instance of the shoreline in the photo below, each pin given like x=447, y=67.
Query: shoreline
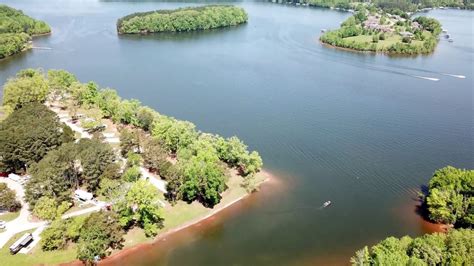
x=373, y=52
x=112, y=259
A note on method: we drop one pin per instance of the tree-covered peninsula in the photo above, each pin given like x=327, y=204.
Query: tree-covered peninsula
x=148, y=173
x=449, y=200
x=375, y=30
x=182, y=19
x=16, y=30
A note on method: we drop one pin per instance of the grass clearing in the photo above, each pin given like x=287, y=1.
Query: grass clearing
x=36, y=256
x=9, y=216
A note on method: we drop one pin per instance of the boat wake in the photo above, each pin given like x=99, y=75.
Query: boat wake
x=454, y=76
x=427, y=78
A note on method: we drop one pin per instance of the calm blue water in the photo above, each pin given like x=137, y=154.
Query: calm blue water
x=364, y=131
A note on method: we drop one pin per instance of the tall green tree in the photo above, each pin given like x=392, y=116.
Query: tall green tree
x=141, y=207
x=8, y=200
x=24, y=89
x=100, y=233
x=28, y=134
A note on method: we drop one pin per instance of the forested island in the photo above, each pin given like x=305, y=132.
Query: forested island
x=449, y=201
x=182, y=19
x=149, y=173
x=375, y=30
x=16, y=30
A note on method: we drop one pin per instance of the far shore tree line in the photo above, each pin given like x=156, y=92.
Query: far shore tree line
x=34, y=141
x=391, y=5
x=450, y=201
x=16, y=30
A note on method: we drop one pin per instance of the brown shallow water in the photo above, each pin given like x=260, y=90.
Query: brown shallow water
x=159, y=249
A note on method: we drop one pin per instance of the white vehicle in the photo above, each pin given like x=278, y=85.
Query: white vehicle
x=23, y=242
x=83, y=195
x=3, y=224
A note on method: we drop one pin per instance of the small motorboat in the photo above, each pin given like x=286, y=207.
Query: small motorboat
x=327, y=203
x=450, y=40
x=323, y=30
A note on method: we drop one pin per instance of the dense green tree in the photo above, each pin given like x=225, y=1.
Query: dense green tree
x=154, y=154
x=450, y=197
x=130, y=140
x=95, y=157
x=109, y=103
x=60, y=80
x=54, y=176
x=48, y=209
x=203, y=178
x=8, y=200
x=454, y=248
x=23, y=89
x=141, y=207
x=28, y=134
x=100, y=233
x=146, y=116
x=173, y=133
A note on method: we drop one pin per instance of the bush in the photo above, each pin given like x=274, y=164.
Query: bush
x=8, y=199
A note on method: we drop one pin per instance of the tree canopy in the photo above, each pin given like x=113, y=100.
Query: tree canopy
x=100, y=233
x=8, y=200
x=28, y=134
x=450, y=197
x=141, y=207
x=182, y=19
x=453, y=248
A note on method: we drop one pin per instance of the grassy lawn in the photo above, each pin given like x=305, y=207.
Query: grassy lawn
x=389, y=41
x=183, y=213
x=9, y=216
x=37, y=256
x=76, y=207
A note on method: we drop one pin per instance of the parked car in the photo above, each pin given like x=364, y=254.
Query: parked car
x=3, y=224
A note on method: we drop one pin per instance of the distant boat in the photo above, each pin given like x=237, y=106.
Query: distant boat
x=447, y=36
x=445, y=31
x=323, y=30
x=450, y=40
x=327, y=203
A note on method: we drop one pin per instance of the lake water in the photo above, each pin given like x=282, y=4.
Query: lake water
x=364, y=131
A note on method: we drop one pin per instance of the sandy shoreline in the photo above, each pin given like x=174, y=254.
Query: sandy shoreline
x=112, y=259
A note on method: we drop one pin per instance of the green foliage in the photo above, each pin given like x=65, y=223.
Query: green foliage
x=25, y=89
x=12, y=43
x=141, y=207
x=70, y=166
x=182, y=19
x=203, y=178
x=94, y=157
x=27, y=135
x=132, y=174
x=60, y=80
x=454, y=248
x=60, y=232
x=450, y=198
x=154, y=154
x=100, y=232
x=111, y=189
x=429, y=24
x=47, y=208
x=129, y=141
x=8, y=199
x=174, y=134
x=16, y=30
x=146, y=116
